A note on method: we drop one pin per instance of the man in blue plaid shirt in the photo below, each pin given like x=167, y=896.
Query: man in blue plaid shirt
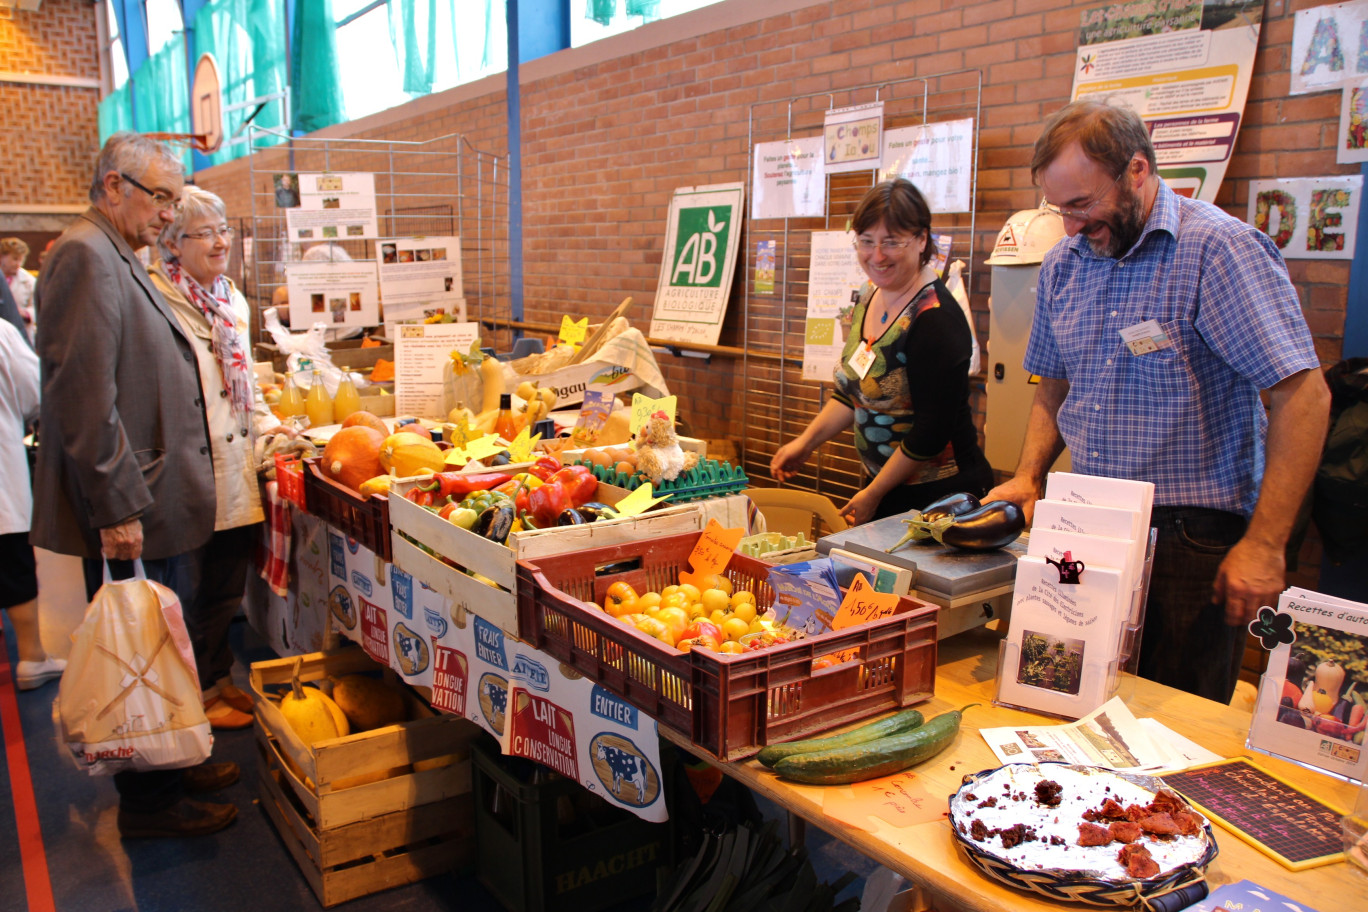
x=1158, y=322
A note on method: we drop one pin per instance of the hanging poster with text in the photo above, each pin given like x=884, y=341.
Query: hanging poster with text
x=1353, y=125
x=338, y=293
x=938, y=158
x=422, y=359
x=789, y=180
x=702, y=236
x=854, y=137
x=1308, y=218
x=834, y=279
x=1329, y=47
x=333, y=207
x=1182, y=65
x=421, y=277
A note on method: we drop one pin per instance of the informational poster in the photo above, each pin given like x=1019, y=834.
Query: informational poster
x=1309, y=218
x=1328, y=47
x=422, y=356
x=1184, y=66
x=834, y=279
x=1352, y=147
x=328, y=206
x=788, y=179
x=421, y=277
x=938, y=158
x=338, y=293
x=764, y=267
x=702, y=236
x=854, y=137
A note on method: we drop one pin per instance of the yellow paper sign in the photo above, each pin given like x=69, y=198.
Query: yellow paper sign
x=712, y=553
x=520, y=450
x=862, y=604
x=901, y=799
x=639, y=501
x=461, y=434
x=573, y=332
x=643, y=407
x=487, y=445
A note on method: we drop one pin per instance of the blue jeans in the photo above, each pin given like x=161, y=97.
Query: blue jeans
x=1186, y=642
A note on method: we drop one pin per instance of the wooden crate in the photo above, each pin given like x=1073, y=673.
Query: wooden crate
x=414, y=528
x=372, y=810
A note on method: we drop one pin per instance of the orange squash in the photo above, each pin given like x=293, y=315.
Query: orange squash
x=352, y=456
x=366, y=419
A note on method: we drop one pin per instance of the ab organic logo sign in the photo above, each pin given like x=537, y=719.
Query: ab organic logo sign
x=699, y=244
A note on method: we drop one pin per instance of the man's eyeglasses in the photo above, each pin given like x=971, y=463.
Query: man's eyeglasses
x=208, y=234
x=161, y=200
x=868, y=245
x=1084, y=214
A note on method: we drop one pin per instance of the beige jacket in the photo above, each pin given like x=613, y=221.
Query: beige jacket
x=235, y=477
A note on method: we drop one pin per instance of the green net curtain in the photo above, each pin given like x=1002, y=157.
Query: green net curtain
x=413, y=30
x=160, y=90
x=116, y=112
x=317, y=97
x=247, y=39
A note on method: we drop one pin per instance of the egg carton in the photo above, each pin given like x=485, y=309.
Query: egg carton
x=709, y=478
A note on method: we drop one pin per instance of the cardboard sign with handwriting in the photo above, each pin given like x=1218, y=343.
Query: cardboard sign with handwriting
x=484, y=446
x=520, y=450
x=863, y=604
x=712, y=553
x=639, y=501
x=573, y=332
x=901, y=800
x=643, y=407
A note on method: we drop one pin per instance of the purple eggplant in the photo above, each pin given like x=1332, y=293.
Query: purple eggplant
x=993, y=525
x=950, y=505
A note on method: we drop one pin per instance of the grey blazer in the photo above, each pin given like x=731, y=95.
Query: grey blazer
x=122, y=427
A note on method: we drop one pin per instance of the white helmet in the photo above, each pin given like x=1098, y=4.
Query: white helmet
x=1026, y=237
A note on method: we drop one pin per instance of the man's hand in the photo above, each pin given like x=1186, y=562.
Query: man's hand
x=860, y=508
x=1251, y=575
x=1019, y=490
x=122, y=542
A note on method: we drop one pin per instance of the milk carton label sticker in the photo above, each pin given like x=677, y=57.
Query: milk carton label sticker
x=450, y=676
x=361, y=582
x=544, y=732
x=607, y=705
x=531, y=673
x=402, y=585
x=374, y=631
x=337, y=556
x=489, y=644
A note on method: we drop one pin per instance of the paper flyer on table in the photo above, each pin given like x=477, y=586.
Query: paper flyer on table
x=420, y=277
x=1109, y=737
x=332, y=207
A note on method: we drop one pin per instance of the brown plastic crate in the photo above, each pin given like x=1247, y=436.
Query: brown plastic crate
x=365, y=519
x=730, y=705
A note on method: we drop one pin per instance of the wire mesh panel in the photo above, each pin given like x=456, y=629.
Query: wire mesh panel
x=436, y=187
x=777, y=402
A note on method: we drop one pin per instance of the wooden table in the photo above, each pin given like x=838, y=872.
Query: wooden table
x=926, y=854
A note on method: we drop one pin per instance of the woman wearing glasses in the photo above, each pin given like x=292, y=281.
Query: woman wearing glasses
x=194, y=249
x=903, y=378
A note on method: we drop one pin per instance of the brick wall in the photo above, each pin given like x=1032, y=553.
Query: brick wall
x=52, y=132
x=605, y=144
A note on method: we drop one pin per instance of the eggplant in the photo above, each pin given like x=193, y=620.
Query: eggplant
x=594, y=511
x=571, y=517
x=950, y=505
x=992, y=525
x=495, y=523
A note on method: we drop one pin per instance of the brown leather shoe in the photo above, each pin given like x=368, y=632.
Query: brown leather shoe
x=223, y=717
x=186, y=817
x=236, y=697
x=210, y=777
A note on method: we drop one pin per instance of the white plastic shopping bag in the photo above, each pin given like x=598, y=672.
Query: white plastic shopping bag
x=130, y=697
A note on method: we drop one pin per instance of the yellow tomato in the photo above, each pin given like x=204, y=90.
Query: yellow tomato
x=674, y=600
x=743, y=610
x=717, y=617
x=692, y=591
x=648, y=599
x=674, y=618
x=717, y=581
x=715, y=600
x=756, y=626
x=696, y=611
x=669, y=591
x=742, y=595
x=621, y=599
x=731, y=647
x=653, y=627
x=735, y=628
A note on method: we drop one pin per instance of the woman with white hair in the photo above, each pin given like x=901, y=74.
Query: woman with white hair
x=190, y=275
x=13, y=252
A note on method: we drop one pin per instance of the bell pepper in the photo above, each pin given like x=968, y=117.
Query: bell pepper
x=547, y=502
x=545, y=467
x=579, y=483
x=518, y=492
x=458, y=484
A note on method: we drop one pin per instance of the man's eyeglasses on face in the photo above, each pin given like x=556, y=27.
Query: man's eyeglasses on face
x=208, y=234
x=159, y=199
x=1084, y=214
x=868, y=245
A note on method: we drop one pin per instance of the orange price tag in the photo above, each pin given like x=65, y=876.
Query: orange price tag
x=901, y=800
x=712, y=553
x=862, y=604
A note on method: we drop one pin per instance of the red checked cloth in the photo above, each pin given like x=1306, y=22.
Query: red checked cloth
x=274, y=558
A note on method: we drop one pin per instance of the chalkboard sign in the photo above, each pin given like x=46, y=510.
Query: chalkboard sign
x=1269, y=813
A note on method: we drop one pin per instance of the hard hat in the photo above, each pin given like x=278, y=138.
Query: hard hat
x=1026, y=237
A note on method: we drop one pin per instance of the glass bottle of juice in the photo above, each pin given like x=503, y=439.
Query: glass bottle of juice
x=318, y=405
x=505, y=424
x=347, y=400
x=291, y=399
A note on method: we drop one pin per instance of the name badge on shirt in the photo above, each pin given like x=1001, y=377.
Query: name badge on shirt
x=1146, y=337
x=862, y=359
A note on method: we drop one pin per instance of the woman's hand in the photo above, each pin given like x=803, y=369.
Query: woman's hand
x=861, y=507
x=788, y=460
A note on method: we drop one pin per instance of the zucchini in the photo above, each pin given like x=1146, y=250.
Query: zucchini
x=905, y=720
x=872, y=759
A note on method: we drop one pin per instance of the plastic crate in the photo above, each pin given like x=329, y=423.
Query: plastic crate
x=366, y=519
x=729, y=705
x=709, y=478
x=290, y=479
x=551, y=845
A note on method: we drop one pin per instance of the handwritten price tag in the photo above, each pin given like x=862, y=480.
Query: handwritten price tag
x=862, y=604
x=639, y=501
x=573, y=332
x=487, y=445
x=643, y=407
x=712, y=553
x=901, y=800
x=520, y=450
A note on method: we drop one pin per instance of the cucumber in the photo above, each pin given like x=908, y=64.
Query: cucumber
x=872, y=759
x=905, y=720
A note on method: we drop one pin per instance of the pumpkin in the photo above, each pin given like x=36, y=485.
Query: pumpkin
x=352, y=456
x=407, y=454
x=366, y=419
x=311, y=713
x=369, y=703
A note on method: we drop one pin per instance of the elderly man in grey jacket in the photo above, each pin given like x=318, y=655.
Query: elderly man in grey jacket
x=124, y=469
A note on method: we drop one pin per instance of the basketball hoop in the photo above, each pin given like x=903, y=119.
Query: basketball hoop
x=206, y=106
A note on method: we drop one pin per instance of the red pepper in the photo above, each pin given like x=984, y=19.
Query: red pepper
x=519, y=492
x=446, y=511
x=458, y=485
x=545, y=467
x=547, y=502
x=579, y=483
